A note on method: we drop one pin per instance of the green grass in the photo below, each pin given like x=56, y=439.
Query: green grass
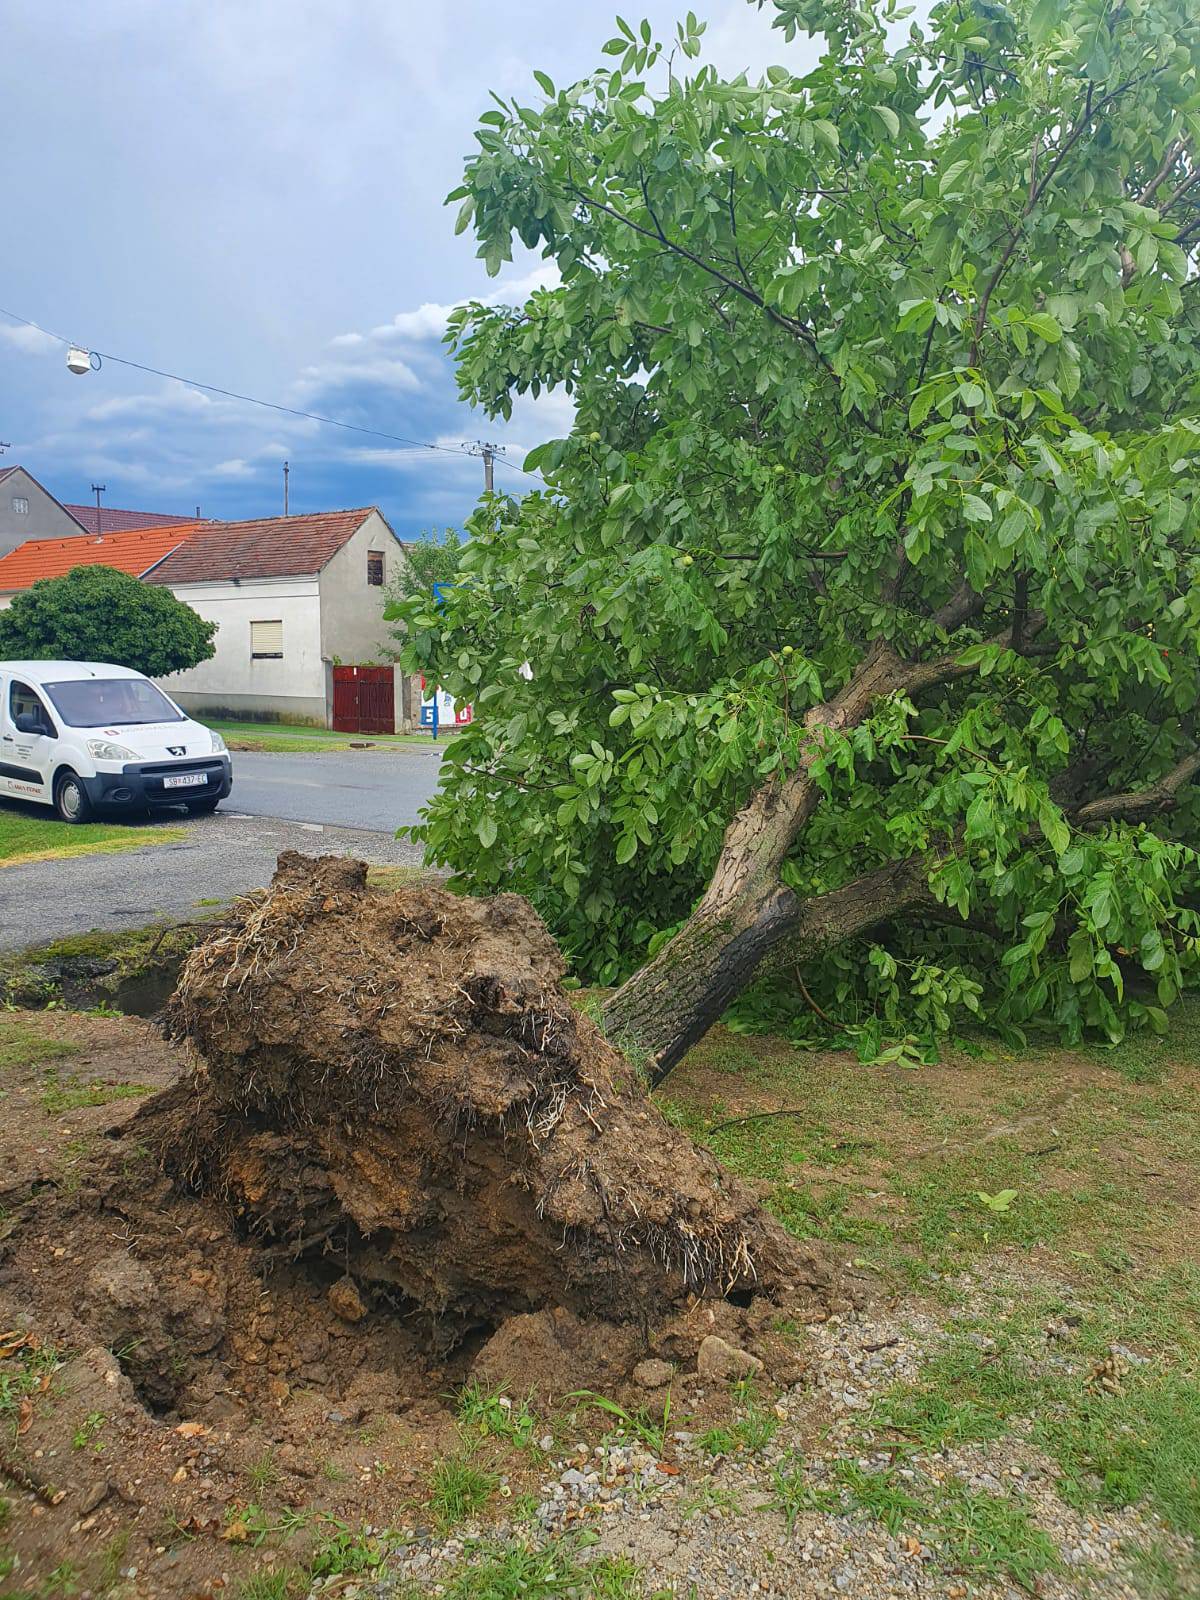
x=284, y=1583
x=987, y=1535
x=262, y=1472
x=458, y=1489
x=1139, y=1444
x=25, y=838
x=112, y=1556
x=493, y=1414
x=347, y=1552
x=894, y=1167
x=287, y=738
x=71, y=1096
x=134, y=954
x=24, y=1044
x=637, y=1424
x=982, y=1535
x=887, y=1496
x=796, y=1494
x=520, y=1571
x=1157, y=1574
x=23, y=1375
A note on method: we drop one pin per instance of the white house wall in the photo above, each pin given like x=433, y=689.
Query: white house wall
x=231, y=682
x=353, y=630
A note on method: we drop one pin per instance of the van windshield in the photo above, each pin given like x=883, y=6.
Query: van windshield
x=110, y=702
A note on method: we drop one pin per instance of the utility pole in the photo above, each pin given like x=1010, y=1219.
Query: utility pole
x=98, y=489
x=286, y=470
x=489, y=452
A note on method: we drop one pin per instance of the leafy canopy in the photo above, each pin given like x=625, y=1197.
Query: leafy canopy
x=915, y=331
x=433, y=558
x=99, y=614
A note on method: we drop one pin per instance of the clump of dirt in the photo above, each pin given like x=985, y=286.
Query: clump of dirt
x=396, y=1086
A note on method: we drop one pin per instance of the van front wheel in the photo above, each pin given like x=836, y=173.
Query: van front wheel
x=70, y=798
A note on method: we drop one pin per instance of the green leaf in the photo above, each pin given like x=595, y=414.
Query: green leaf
x=485, y=830
x=922, y=403
x=889, y=119
x=1045, y=18
x=1045, y=326
x=1082, y=956
x=1152, y=950
x=545, y=82
x=1054, y=827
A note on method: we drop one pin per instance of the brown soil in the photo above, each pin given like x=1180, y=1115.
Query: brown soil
x=389, y=1159
x=398, y=1081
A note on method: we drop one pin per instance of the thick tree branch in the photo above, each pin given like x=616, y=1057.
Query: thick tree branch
x=1137, y=804
x=962, y=605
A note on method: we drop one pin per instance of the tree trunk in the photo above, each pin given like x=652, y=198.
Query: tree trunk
x=746, y=910
x=672, y=1001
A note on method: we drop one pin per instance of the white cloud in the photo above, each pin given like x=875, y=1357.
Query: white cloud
x=379, y=372
x=232, y=470
x=426, y=322
x=30, y=340
x=171, y=398
x=402, y=458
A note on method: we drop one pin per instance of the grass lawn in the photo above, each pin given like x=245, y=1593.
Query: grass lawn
x=27, y=837
x=1042, y=1204
x=282, y=738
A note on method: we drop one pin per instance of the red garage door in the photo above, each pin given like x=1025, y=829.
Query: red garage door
x=364, y=700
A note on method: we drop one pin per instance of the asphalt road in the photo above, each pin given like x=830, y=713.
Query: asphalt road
x=348, y=802
x=222, y=856
x=362, y=789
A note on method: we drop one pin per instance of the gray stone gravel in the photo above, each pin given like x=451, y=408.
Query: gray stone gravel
x=715, y=1531
x=222, y=856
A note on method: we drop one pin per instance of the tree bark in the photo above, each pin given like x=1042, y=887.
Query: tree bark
x=672, y=1001
x=747, y=911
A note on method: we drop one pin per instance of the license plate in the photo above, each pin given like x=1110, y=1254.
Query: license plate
x=185, y=780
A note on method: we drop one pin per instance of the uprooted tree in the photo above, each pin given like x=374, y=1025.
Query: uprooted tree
x=854, y=636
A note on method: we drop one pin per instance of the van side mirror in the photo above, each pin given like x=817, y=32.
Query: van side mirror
x=30, y=722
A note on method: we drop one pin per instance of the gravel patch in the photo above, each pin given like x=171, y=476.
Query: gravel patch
x=714, y=1529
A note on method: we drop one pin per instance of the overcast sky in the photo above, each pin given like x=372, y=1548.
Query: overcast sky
x=249, y=192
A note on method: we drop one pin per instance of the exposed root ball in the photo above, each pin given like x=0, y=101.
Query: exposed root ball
x=397, y=1080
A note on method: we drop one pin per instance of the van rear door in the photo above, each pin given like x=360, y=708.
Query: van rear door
x=26, y=759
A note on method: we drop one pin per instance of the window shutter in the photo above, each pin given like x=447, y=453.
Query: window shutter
x=266, y=639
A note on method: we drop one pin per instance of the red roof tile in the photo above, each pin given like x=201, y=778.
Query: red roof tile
x=113, y=520
x=272, y=547
x=134, y=553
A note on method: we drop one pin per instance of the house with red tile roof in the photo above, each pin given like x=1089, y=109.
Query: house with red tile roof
x=111, y=519
x=29, y=511
x=136, y=553
x=292, y=598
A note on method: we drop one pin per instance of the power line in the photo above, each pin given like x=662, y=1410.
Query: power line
x=418, y=445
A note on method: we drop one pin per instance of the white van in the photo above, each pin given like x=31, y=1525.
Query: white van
x=83, y=736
